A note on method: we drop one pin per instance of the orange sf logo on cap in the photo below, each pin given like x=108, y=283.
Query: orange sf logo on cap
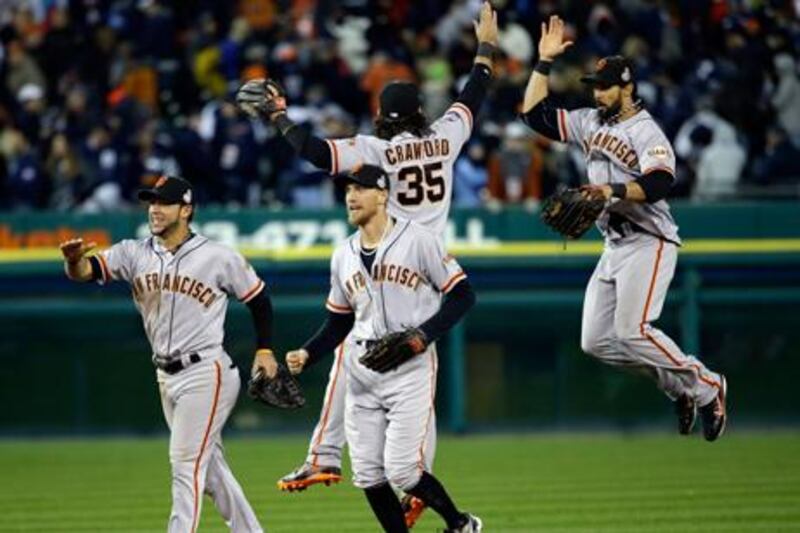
x=601, y=63
x=161, y=181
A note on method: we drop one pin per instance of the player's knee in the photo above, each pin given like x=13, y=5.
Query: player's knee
x=183, y=454
x=368, y=477
x=628, y=332
x=594, y=344
x=404, y=477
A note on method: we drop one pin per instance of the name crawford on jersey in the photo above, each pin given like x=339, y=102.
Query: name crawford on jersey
x=154, y=282
x=413, y=150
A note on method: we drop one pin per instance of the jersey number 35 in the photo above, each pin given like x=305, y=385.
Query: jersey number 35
x=422, y=182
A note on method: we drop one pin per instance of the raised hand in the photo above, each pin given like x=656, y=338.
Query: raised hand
x=73, y=250
x=486, y=26
x=551, y=43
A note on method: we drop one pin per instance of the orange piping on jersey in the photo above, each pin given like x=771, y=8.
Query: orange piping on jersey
x=649, y=337
x=453, y=280
x=252, y=293
x=421, y=461
x=334, y=156
x=562, y=125
x=458, y=106
x=103, y=267
x=197, y=461
x=337, y=308
x=657, y=168
x=328, y=403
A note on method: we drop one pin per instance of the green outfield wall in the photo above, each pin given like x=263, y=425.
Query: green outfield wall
x=74, y=359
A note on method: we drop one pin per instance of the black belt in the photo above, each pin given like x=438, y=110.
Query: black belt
x=623, y=226
x=175, y=366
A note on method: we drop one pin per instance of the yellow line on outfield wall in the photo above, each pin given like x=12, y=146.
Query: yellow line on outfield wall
x=505, y=249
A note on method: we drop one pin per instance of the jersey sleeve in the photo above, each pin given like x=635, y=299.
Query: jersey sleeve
x=654, y=150
x=239, y=279
x=337, y=299
x=573, y=126
x=116, y=263
x=455, y=125
x=441, y=268
x=350, y=153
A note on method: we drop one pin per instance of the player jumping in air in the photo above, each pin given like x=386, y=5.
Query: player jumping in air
x=630, y=164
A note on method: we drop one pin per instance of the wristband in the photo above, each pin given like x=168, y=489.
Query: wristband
x=619, y=190
x=486, y=49
x=283, y=122
x=264, y=351
x=543, y=67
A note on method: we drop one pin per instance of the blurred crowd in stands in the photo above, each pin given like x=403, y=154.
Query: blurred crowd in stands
x=99, y=97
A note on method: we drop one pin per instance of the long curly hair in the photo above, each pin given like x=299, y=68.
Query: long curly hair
x=416, y=124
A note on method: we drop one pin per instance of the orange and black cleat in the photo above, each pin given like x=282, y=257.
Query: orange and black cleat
x=412, y=509
x=686, y=409
x=308, y=475
x=715, y=414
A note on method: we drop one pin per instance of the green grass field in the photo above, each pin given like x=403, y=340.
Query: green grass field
x=561, y=482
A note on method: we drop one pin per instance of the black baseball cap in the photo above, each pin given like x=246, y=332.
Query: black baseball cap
x=368, y=176
x=399, y=99
x=170, y=190
x=611, y=70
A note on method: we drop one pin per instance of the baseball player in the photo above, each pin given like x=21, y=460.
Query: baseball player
x=181, y=282
x=418, y=158
x=631, y=164
x=389, y=277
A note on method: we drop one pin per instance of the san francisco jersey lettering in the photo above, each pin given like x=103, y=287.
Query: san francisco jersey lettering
x=410, y=273
x=620, y=152
x=182, y=296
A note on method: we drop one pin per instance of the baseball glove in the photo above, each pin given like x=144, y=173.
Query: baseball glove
x=571, y=212
x=261, y=98
x=282, y=391
x=394, y=349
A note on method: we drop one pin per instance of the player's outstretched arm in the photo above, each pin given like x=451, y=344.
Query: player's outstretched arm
x=474, y=91
x=486, y=32
x=537, y=112
x=266, y=99
x=76, y=264
x=551, y=45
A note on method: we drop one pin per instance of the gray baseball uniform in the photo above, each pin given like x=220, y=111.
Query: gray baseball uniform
x=421, y=177
x=183, y=297
x=389, y=420
x=627, y=289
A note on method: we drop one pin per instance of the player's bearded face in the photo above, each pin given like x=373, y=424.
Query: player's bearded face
x=362, y=203
x=163, y=219
x=608, y=100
